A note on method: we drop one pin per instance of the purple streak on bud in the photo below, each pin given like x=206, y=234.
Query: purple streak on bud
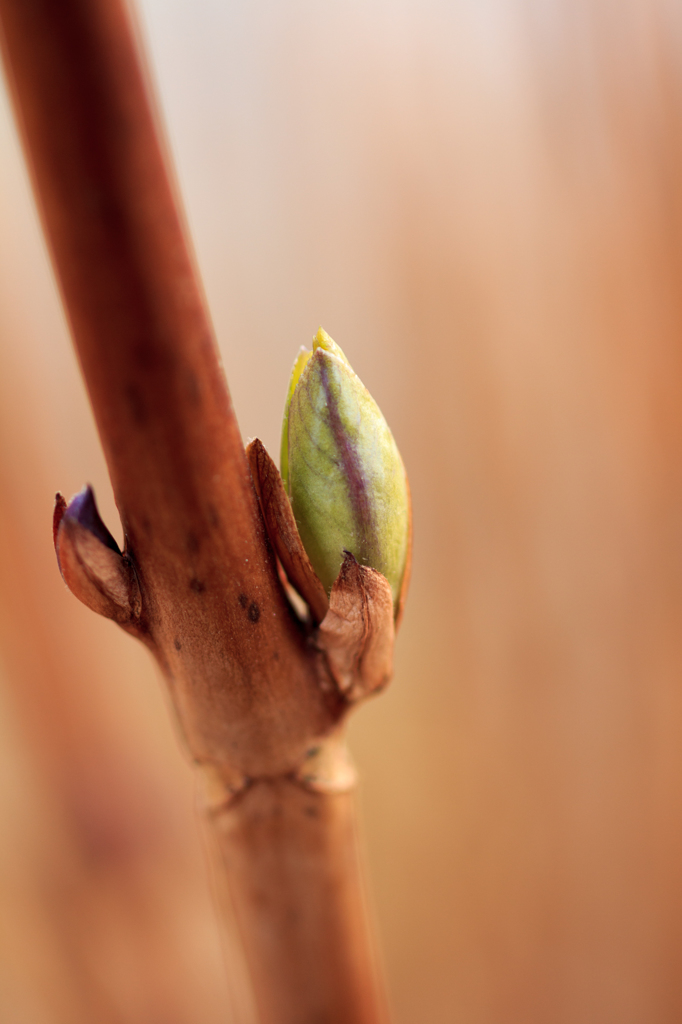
x=83, y=509
x=352, y=465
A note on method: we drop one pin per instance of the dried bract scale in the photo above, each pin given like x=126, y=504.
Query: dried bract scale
x=281, y=527
x=91, y=562
x=358, y=632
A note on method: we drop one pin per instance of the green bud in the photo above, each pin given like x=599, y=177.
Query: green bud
x=342, y=470
x=298, y=367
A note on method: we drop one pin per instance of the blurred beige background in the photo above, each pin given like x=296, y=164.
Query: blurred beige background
x=481, y=201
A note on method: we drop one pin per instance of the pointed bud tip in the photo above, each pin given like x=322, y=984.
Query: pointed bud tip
x=58, y=514
x=322, y=341
x=83, y=509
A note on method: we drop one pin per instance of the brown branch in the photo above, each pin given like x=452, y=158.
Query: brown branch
x=207, y=599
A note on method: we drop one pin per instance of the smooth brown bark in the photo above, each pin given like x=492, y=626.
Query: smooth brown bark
x=292, y=860
x=244, y=681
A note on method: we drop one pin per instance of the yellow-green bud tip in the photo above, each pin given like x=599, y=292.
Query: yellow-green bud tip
x=327, y=344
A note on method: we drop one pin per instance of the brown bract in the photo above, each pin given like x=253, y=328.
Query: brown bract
x=357, y=633
x=282, y=530
x=96, y=572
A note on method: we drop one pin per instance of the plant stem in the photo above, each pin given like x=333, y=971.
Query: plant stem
x=244, y=681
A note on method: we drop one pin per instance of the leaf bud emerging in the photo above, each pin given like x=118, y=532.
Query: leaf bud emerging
x=342, y=470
